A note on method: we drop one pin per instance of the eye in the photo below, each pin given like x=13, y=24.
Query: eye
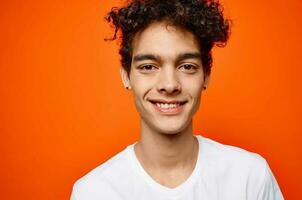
x=147, y=68
x=188, y=68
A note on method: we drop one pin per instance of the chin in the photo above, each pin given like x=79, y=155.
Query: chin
x=171, y=129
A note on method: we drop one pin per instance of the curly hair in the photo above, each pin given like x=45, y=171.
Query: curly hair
x=203, y=18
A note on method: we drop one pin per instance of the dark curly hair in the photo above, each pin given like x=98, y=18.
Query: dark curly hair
x=204, y=18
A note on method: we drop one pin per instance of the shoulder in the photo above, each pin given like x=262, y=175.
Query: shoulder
x=217, y=153
x=102, y=179
x=226, y=160
x=239, y=168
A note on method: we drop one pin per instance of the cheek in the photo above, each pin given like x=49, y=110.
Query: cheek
x=140, y=90
x=194, y=90
x=141, y=85
x=193, y=87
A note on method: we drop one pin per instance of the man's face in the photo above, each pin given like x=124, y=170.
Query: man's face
x=166, y=77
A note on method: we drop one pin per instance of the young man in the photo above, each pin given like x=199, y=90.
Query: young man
x=166, y=61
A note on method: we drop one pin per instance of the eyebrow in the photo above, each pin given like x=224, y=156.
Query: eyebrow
x=142, y=57
x=193, y=55
x=180, y=57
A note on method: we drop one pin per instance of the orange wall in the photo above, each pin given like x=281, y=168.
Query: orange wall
x=63, y=109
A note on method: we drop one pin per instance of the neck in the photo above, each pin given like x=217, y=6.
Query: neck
x=167, y=151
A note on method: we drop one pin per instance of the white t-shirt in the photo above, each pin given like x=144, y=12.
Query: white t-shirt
x=222, y=172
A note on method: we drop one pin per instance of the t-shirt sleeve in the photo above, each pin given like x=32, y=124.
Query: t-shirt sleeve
x=269, y=188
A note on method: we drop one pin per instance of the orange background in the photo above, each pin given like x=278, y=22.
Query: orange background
x=63, y=109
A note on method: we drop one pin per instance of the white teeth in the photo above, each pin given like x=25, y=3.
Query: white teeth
x=166, y=105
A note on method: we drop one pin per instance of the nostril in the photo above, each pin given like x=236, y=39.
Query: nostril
x=169, y=91
x=170, y=88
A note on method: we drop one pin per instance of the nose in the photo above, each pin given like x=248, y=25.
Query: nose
x=168, y=82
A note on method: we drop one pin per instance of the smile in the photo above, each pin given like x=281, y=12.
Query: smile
x=168, y=108
x=166, y=105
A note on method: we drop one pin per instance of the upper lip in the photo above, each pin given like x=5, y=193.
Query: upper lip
x=167, y=101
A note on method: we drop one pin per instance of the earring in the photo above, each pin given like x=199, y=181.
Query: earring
x=204, y=87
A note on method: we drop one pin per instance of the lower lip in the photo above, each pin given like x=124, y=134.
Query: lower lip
x=169, y=111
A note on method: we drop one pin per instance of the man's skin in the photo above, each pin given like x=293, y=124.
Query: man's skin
x=166, y=66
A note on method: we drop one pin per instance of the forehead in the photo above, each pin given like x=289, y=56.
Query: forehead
x=164, y=40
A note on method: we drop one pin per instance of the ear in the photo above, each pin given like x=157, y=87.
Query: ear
x=206, y=81
x=125, y=78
